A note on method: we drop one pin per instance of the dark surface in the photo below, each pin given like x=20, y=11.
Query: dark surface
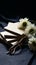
x=23, y=8
x=20, y=59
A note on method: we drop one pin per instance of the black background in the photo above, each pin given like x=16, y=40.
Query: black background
x=15, y=8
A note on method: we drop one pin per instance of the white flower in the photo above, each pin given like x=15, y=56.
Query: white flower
x=32, y=43
x=23, y=19
x=23, y=23
x=30, y=29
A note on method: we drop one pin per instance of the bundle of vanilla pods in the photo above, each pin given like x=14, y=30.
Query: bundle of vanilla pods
x=17, y=35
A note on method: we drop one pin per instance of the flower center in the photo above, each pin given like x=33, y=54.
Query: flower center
x=31, y=31
x=24, y=24
x=34, y=43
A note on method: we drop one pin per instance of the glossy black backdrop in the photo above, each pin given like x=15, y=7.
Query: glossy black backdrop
x=15, y=8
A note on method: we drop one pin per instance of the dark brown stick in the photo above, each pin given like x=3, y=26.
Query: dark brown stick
x=4, y=40
x=13, y=47
x=1, y=40
x=17, y=39
x=11, y=41
x=10, y=36
x=18, y=42
x=11, y=32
